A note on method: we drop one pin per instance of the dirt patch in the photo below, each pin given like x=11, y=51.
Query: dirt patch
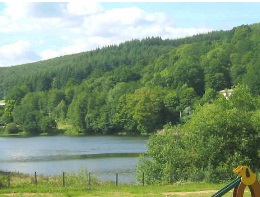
x=29, y=195
x=189, y=193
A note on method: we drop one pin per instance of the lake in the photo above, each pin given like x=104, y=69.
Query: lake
x=103, y=156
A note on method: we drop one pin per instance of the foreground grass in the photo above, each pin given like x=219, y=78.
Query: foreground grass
x=77, y=185
x=109, y=190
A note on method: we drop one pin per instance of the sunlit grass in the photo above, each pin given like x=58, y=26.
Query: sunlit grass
x=77, y=184
x=111, y=191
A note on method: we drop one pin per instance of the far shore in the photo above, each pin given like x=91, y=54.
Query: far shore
x=64, y=133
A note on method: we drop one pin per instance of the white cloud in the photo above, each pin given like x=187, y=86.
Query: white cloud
x=23, y=9
x=129, y=23
x=49, y=30
x=83, y=7
x=16, y=10
x=3, y=20
x=76, y=47
x=17, y=53
x=125, y=23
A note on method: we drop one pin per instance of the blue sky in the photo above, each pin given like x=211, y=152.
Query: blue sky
x=34, y=31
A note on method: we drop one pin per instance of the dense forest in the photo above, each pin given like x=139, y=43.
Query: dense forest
x=142, y=86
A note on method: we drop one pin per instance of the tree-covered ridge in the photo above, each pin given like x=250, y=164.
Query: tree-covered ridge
x=79, y=66
x=138, y=86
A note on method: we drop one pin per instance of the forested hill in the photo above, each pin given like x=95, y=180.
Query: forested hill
x=40, y=75
x=137, y=86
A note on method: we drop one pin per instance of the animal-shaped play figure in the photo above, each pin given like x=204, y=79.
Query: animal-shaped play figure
x=248, y=178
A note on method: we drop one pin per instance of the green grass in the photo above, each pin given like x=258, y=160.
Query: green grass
x=120, y=191
x=76, y=185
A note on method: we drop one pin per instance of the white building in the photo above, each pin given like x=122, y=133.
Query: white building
x=2, y=104
x=226, y=93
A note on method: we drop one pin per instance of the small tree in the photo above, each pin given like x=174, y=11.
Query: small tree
x=167, y=159
x=12, y=128
x=7, y=116
x=47, y=124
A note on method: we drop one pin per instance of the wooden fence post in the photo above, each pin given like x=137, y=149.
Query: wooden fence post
x=63, y=179
x=35, y=178
x=143, y=179
x=89, y=179
x=116, y=179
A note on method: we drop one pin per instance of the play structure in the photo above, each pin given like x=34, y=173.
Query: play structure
x=245, y=178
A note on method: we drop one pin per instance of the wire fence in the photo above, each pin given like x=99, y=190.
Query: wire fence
x=82, y=178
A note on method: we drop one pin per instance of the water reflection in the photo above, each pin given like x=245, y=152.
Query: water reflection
x=103, y=155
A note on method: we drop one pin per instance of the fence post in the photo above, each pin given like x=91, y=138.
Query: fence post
x=116, y=179
x=35, y=178
x=63, y=179
x=89, y=179
x=143, y=179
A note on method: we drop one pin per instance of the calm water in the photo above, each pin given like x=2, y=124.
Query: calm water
x=103, y=156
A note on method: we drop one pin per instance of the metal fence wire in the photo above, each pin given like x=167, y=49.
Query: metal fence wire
x=82, y=178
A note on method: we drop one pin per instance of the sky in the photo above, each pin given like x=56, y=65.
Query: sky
x=35, y=31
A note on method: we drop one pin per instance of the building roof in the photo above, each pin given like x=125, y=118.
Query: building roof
x=226, y=93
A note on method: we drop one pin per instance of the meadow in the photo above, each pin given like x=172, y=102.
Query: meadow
x=78, y=185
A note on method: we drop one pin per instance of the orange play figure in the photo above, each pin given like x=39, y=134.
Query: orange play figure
x=248, y=178
x=245, y=178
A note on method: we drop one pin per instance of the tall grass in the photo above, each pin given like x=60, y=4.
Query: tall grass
x=77, y=184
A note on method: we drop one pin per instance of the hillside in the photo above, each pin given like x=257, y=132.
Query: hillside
x=80, y=66
x=137, y=86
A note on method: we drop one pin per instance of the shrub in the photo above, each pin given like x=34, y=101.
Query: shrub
x=12, y=128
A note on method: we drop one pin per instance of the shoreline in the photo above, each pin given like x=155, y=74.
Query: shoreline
x=63, y=133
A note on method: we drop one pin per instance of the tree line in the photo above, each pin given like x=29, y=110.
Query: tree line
x=137, y=86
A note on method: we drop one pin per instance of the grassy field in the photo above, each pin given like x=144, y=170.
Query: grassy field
x=20, y=185
x=188, y=190
x=109, y=190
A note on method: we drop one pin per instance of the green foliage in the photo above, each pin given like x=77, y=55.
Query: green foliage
x=187, y=69
x=32, y=115
x=7, y=116
x=4, y=178
x=47, y=124
x=167, y=160
x=171, y=103
x=209, y=97
x=226, y=124
x=77, y=112
x=219, y=137
x=140, y=111
x=217, y=65
x=135, y=87
x=252, y=75
x=79, y=179
x=17, y=93
x=12, y=128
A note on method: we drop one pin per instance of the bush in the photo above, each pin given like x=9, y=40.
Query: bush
x=4, y=177
x=167, y=161
x=12, y=128
x=47, y=124
x=218, y=137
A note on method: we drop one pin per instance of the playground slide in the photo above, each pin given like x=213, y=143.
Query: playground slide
x=228, y=187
